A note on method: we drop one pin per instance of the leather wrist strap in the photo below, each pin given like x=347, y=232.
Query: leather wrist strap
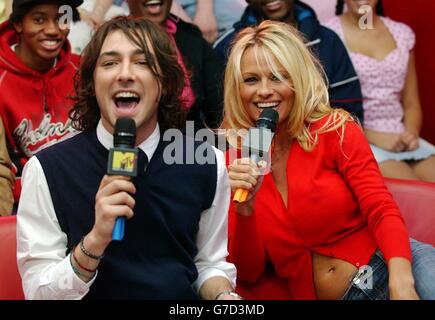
x=79, y=264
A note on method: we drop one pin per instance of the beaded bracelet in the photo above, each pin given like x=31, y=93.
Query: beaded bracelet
x=78, y=263
x=76, y=271
x=229, y=293
x=87, y=253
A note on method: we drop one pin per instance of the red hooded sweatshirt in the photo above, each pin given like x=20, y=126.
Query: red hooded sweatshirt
x=33, y=106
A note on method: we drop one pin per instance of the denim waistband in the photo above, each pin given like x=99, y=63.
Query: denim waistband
x=370, y=278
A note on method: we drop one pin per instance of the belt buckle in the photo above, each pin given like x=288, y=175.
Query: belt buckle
x=364, y=277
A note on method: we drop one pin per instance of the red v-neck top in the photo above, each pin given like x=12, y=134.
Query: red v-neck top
x=338, y=206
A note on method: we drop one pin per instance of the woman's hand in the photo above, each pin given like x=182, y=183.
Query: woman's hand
x=90, y=17
x=403, y=292
x=410, y=140
x=208, y=26
x=245, y=174
x=206, y=20
x=400, y=280
x=388, y=141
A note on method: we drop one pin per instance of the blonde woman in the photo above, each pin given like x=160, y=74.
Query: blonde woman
x=323, y=215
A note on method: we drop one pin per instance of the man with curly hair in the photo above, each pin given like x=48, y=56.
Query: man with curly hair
x=175, y=241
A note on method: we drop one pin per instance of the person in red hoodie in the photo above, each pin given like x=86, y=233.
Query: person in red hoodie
x=36, y=78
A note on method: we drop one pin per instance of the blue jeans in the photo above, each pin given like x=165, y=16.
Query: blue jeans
x=371, y=282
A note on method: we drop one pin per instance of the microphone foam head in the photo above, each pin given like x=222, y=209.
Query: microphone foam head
x=268, y=119
x=124, y=133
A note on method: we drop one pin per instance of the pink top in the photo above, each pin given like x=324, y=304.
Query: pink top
x=187, y=97
x=382, y=82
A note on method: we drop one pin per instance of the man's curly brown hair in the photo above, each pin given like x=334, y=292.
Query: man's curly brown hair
x=163, y=64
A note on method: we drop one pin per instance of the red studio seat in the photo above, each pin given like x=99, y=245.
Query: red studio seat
x=10, y=280
x=416, y=201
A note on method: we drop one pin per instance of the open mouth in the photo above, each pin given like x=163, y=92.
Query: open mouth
x=360, y=3
x=153, y=6
x=126, y=101
x=274, y=5
x=267, y=105
x=51, y=45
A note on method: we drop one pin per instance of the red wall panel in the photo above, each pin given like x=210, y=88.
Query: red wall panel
x=419, y=15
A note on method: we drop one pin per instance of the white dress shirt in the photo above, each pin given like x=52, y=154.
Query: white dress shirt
x=45, y=269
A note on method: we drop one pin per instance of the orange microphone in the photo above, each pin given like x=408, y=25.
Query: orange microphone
x=257, y=143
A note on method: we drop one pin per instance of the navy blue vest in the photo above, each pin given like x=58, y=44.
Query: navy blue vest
x=155, y=258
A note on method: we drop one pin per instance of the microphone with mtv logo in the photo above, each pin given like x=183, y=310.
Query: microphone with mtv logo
x=123, y=161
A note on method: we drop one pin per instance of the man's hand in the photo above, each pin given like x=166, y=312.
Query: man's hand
x=218, y=288
x=113, y=200
x=229, y=296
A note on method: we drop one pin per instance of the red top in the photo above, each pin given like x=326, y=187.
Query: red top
x=338, y=206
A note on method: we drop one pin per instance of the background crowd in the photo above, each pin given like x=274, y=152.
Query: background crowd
x=369, y=78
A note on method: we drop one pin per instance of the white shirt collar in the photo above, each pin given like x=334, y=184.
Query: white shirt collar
x=148, y=146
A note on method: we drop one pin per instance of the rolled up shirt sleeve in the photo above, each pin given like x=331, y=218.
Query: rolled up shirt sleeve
x=45, y=269
x=212, y=237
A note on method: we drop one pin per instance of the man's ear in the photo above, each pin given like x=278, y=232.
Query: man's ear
x=18, y=26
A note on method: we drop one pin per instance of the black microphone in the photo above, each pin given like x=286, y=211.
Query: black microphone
x=123, y=161
x=257, y=143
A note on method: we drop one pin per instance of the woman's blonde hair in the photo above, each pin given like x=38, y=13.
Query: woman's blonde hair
x=279, y=40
